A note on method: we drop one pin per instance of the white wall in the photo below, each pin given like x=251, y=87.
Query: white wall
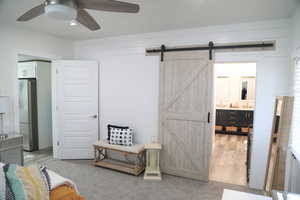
x=14, y=41
x=129, y=79
x=128, y=91
x=293, y=168
x=296, y=32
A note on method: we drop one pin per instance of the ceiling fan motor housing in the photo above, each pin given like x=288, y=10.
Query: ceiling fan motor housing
x=61, y=9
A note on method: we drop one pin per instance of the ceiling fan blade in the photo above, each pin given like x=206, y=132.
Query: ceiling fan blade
x=87, y=20
x=109, y=5
x=34, y=12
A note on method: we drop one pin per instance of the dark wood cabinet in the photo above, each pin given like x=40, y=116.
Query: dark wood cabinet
x=240, y=120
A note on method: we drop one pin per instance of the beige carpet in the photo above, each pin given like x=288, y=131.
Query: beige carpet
x=96, y=183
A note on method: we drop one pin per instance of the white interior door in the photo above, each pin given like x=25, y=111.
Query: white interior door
x=76, y=99
x=186, y=108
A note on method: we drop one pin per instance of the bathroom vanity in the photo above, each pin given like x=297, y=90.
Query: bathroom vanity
x=11, y=149
x=236, y=121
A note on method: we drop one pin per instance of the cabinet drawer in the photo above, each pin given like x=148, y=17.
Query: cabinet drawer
x=27, y=70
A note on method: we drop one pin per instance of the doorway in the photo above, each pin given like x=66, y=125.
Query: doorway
x=234, y=110
x=35, y=110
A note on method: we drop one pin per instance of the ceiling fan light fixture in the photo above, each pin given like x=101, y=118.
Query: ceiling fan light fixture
x=61, y=12
x=68, y=10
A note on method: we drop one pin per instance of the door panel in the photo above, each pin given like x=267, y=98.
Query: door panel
x=27, y=139
x=23, y=101
x=28, y=113
x=77, y=108
x=186, y=98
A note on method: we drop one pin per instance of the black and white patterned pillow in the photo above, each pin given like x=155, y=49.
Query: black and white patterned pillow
x=121, y=136
x=110, y=126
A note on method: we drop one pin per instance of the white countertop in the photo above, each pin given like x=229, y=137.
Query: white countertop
x=10, y=136
x=236, y=195
x=226, y=108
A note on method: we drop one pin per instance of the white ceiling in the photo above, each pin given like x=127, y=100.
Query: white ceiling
x=154, y=15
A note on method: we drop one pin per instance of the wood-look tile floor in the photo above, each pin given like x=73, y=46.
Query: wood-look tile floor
x=228, y=163
x=33, y=157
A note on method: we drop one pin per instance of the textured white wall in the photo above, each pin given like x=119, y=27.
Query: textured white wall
x=128, y=91
x=292, y=178
x=14, y=41
x=129, y=79
x=296, y=32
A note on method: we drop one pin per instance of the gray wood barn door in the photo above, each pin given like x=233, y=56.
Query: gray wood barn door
x=186, y=98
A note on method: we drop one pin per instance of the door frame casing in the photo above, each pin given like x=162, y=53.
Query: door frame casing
x=245, y=57
x=38, y=54
x=237, y=61
x=17, y=52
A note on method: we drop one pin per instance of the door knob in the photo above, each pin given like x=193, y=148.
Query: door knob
x=95, y=116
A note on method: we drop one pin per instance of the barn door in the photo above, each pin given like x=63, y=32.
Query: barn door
x=186, y=108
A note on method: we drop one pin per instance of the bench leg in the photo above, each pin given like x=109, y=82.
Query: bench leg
x=140, y=160
x=95, y=154
x=102, y=154
x=99, y=154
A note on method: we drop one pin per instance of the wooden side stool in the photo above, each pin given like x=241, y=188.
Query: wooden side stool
x=152, y=162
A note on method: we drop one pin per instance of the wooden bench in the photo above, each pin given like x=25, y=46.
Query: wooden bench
x=102, y=159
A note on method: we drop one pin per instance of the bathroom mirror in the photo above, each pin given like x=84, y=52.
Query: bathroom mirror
x=244, y=90
x=247, y=88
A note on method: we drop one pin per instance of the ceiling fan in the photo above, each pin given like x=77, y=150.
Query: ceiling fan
x=75, y=10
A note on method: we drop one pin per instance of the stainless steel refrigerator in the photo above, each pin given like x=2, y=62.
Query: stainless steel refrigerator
x=28, y=113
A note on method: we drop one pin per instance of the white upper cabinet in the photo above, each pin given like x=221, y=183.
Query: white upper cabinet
x=27, y=69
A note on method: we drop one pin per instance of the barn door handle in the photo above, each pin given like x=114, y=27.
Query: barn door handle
x=208, y=117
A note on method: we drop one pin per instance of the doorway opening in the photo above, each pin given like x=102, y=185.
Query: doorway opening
x=35, y=110
x=235, y=86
